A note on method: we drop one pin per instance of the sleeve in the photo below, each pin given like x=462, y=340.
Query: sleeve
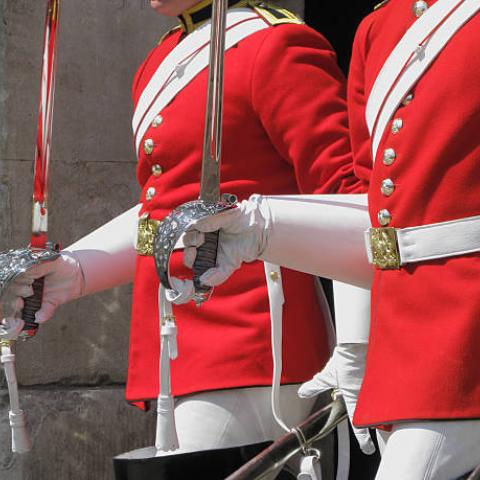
x=357, y=101
x=298, y=93
x=136, y=92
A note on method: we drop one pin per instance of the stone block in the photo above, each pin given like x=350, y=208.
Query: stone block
x=75, y=434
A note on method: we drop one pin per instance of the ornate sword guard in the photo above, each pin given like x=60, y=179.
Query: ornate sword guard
x=15, y=262
x=173, y=226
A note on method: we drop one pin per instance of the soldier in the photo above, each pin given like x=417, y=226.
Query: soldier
x=281, y=80
x=414, y=113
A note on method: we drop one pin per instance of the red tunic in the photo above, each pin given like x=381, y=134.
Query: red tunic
x=424, y=347
x=285, y=131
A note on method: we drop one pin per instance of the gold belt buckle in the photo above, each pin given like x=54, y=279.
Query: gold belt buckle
x=145, y=235
x=385, y=253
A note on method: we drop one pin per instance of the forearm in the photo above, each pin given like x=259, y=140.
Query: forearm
x=107, y=255
x=319, y=234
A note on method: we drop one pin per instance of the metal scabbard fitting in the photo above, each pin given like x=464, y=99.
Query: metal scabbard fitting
x=384, y=247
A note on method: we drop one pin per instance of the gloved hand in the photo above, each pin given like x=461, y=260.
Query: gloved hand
x=242, y=238
x=343, y=371
x=63, y=282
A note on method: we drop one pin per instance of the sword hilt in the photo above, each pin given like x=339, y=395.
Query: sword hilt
x=31, y=306
x=206, y=258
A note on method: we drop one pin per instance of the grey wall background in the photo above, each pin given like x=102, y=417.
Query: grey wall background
x=72, y=374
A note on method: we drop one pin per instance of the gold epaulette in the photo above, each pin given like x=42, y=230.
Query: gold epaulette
x=170, y=32
x=380, y=5
x=274, y=15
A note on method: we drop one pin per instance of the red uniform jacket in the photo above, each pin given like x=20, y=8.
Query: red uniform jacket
x=424, y=352
x=285, y=131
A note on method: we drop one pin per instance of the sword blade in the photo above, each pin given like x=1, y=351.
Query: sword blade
x=44, y=127
x=212, y=141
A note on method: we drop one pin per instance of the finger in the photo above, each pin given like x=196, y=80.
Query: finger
x=46, y=312
x=315, y=386
x=213, y=223
x=189, y=255
x=364, y=440
x=182, y=292
x=19, y=303
x=22, y=290
x=23, y=279
x=215, y=276
x=193, y=238
x=38, y=271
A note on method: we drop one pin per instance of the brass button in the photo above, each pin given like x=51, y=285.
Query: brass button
x=157, y=121
x=419, y=8
x=389, y=156
x=157, y=170
x=387, y=187
x=150, y=193
x=384, y=217
x=274, y=276
x=397, y=125
x=148, y=146
x=407, y=100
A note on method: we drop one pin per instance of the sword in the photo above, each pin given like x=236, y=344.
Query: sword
x=39, y=239
x=210, y=201
x=15, y=262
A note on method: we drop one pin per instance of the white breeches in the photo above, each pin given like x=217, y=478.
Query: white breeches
x=429, y=450
x=231, y=418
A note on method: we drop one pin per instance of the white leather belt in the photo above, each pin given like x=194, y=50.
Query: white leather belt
x=390, y=248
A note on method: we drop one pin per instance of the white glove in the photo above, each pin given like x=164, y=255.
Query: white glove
x=63, y=282
x=242, y=238
x=343, y=371
x=11, y=327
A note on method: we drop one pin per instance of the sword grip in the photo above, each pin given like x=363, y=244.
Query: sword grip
x=31, y=306
x=206, y=258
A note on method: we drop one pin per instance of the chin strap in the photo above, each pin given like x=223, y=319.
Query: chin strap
x=166, y=437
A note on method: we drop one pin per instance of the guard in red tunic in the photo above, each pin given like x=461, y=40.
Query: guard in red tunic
x=281, y=81
x=414, y=99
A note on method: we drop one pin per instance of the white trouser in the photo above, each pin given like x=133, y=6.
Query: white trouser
x=429, y=450
x=230, y=418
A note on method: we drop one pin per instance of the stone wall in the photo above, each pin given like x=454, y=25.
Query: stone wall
x=72, y=374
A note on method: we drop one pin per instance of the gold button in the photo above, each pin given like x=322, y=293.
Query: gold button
x=157, y=121
x=384, y=217
x=157, y=170
x=274, y=276
x=148, y=146
x=150, y=193
x=407, y=100
x=389, y=156
x=419, y=8
x=397, y=125
x=387, y=187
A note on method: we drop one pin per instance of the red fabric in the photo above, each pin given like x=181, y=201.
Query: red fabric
x=425, y=334
x=280, y=83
